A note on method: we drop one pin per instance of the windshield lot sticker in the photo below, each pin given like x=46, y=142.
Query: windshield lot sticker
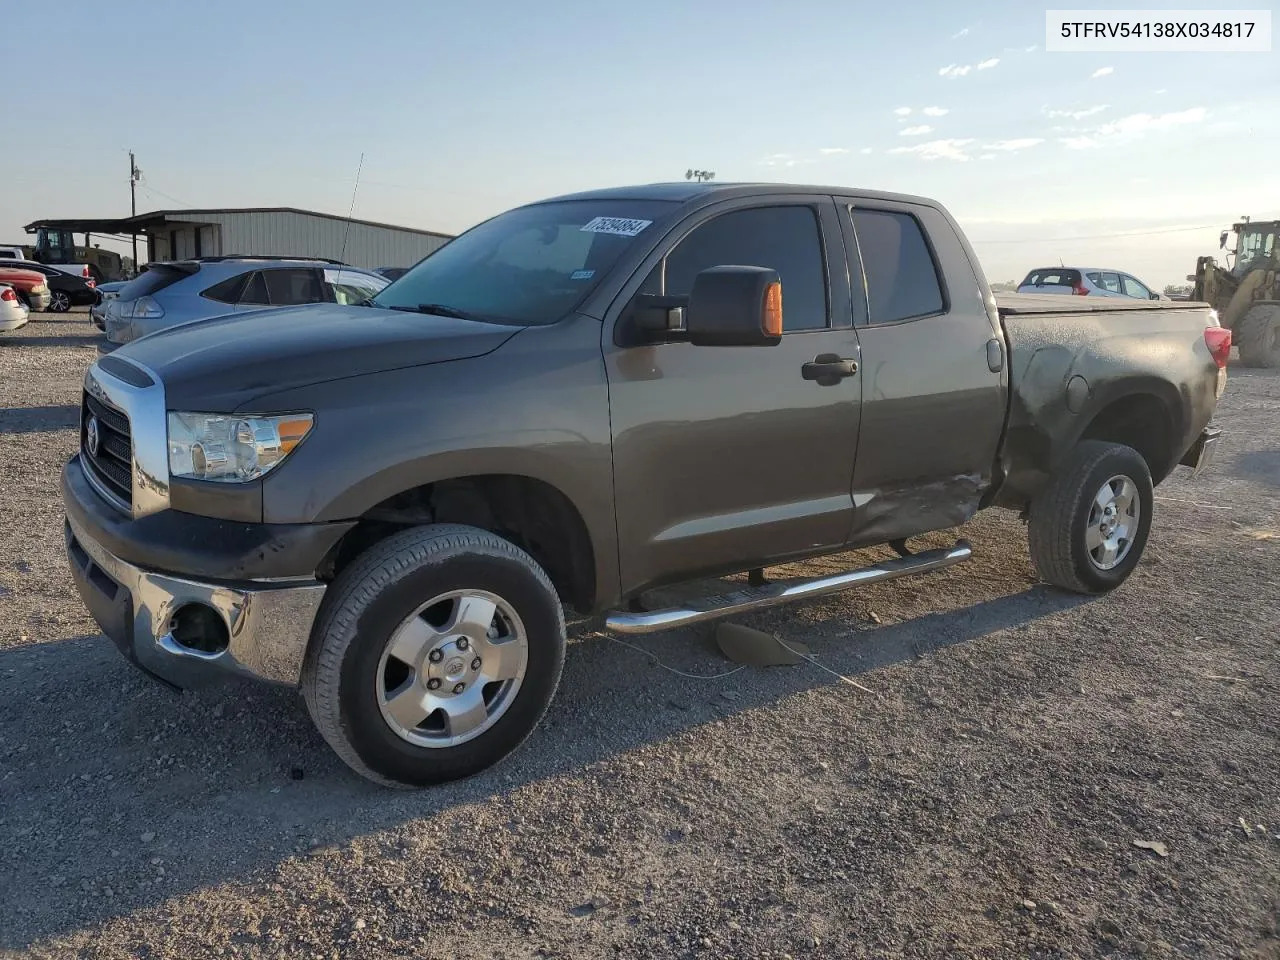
x=621, y=226
x=582, y=275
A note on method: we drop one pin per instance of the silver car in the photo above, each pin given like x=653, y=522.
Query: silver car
x=167, y=294
x=1086, y=282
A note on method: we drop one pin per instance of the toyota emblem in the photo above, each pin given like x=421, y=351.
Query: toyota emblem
x=91, y=436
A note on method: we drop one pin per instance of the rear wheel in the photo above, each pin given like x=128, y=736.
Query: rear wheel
x=1258, y=337
x=434, y=656
x=1088, y=528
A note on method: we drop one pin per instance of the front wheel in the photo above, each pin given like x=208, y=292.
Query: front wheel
x=434, y=656
x=1088, y=528
x=59, y=301
x=1258, y=337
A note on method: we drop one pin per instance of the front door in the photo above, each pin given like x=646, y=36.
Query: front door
x=727, y=458
x=933, y=368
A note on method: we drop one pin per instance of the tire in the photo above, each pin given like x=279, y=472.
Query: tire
x=1258, y=337
x=1066, y=519
x=59, y=301
x=353, y=682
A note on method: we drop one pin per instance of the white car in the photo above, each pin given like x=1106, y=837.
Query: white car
x=1086, y=282
x=13, y=312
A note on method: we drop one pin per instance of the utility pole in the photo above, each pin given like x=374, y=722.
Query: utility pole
x=134, y=174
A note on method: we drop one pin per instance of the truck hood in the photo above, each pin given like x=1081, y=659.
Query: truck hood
x=216, y=365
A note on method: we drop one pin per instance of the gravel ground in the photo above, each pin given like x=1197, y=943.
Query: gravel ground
x=989, y=797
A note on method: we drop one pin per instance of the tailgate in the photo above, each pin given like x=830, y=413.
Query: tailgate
x=1031, y=304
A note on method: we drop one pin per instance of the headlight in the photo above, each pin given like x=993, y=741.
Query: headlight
x=210, y=446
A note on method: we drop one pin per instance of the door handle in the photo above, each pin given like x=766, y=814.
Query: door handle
x=828, y=369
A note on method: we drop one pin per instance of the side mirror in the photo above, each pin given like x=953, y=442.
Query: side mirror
x=1222, y=240
x=733, y=306
x=1154, y=296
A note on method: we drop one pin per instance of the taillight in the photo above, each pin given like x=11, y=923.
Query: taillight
x=1080, y=290
x=8, y=294
x=85, y=273
x=1218, y=340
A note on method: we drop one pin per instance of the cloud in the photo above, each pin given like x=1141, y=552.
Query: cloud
x=903, y=111
x=833, y=151
x=1077, y=114
x=1102, y=72
x=783, y=160
x=935, y=111
x=1160, y=91
x=952, y=71
x=1032, y=49
x=865, y=150
x=987, y=156
x=1009, y=146
x=1139, y=123
x=963, y=33
x=988, y=64
x=915, y=131
x=938, y=150
x=1078, y=143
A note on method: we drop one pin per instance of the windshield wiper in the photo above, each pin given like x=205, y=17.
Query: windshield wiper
x=440, y=310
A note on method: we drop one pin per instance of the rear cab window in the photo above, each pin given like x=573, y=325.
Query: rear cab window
x=901, y=273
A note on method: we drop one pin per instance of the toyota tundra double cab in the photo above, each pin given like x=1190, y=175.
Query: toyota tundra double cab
x=389, y=505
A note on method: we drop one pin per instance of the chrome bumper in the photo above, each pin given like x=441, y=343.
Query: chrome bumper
x=268, y=625
x=1202, y=451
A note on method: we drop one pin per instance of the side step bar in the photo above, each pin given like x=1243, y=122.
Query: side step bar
x=772, y=594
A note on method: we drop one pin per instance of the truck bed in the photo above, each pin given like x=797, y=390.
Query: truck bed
x=1026, y=304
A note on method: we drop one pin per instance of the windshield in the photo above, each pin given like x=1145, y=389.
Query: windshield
x=1256, y=243
x=530, y=265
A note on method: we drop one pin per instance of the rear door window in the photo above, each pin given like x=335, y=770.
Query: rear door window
x=288, y=287
x=228, y=291
x=1110, y=281
x=255, y=291
x=902, y=279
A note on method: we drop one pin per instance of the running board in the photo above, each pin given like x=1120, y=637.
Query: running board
x=772, y=594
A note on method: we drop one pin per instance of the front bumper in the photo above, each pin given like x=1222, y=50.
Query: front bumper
x=135, y=574
x=40, y=301
x=268, y=625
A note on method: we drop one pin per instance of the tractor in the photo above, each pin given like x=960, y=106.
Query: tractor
x=1246, y=293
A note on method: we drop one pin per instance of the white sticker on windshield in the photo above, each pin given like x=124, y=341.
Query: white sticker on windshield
x=621, y=226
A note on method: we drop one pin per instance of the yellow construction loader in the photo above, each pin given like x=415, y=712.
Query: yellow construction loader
x=1246, y=292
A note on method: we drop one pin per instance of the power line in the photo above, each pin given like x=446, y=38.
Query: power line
x=1103, y=236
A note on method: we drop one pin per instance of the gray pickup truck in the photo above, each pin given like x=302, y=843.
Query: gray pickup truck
x=389, y=505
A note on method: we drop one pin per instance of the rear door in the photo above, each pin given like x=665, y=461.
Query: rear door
x=726, y=458
x=933, y=373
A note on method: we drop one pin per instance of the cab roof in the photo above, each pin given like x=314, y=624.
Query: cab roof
x=691, y=192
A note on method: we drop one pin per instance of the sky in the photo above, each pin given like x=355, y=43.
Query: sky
x=463, y=109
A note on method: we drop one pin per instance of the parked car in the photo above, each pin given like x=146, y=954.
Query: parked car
x=1086, y=282
x=65, y=291
x=585, y=398
x=12, y=253
x=30, y=287
x=168, y=294
x=392, y=273
x=13, y=312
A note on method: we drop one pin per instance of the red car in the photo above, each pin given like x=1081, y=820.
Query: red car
x=32, y=288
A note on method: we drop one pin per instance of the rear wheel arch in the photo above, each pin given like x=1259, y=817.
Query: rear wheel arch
x=1145, y=415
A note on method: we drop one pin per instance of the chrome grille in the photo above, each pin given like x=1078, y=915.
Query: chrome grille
x=112, y=464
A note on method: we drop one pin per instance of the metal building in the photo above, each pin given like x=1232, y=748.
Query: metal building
x=259, y=231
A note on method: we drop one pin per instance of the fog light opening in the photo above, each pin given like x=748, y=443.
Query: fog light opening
x=199, y=627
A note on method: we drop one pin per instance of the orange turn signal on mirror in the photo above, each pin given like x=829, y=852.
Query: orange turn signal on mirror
x=772, y=316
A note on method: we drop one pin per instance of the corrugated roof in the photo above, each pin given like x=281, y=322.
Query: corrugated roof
x=134, y=225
